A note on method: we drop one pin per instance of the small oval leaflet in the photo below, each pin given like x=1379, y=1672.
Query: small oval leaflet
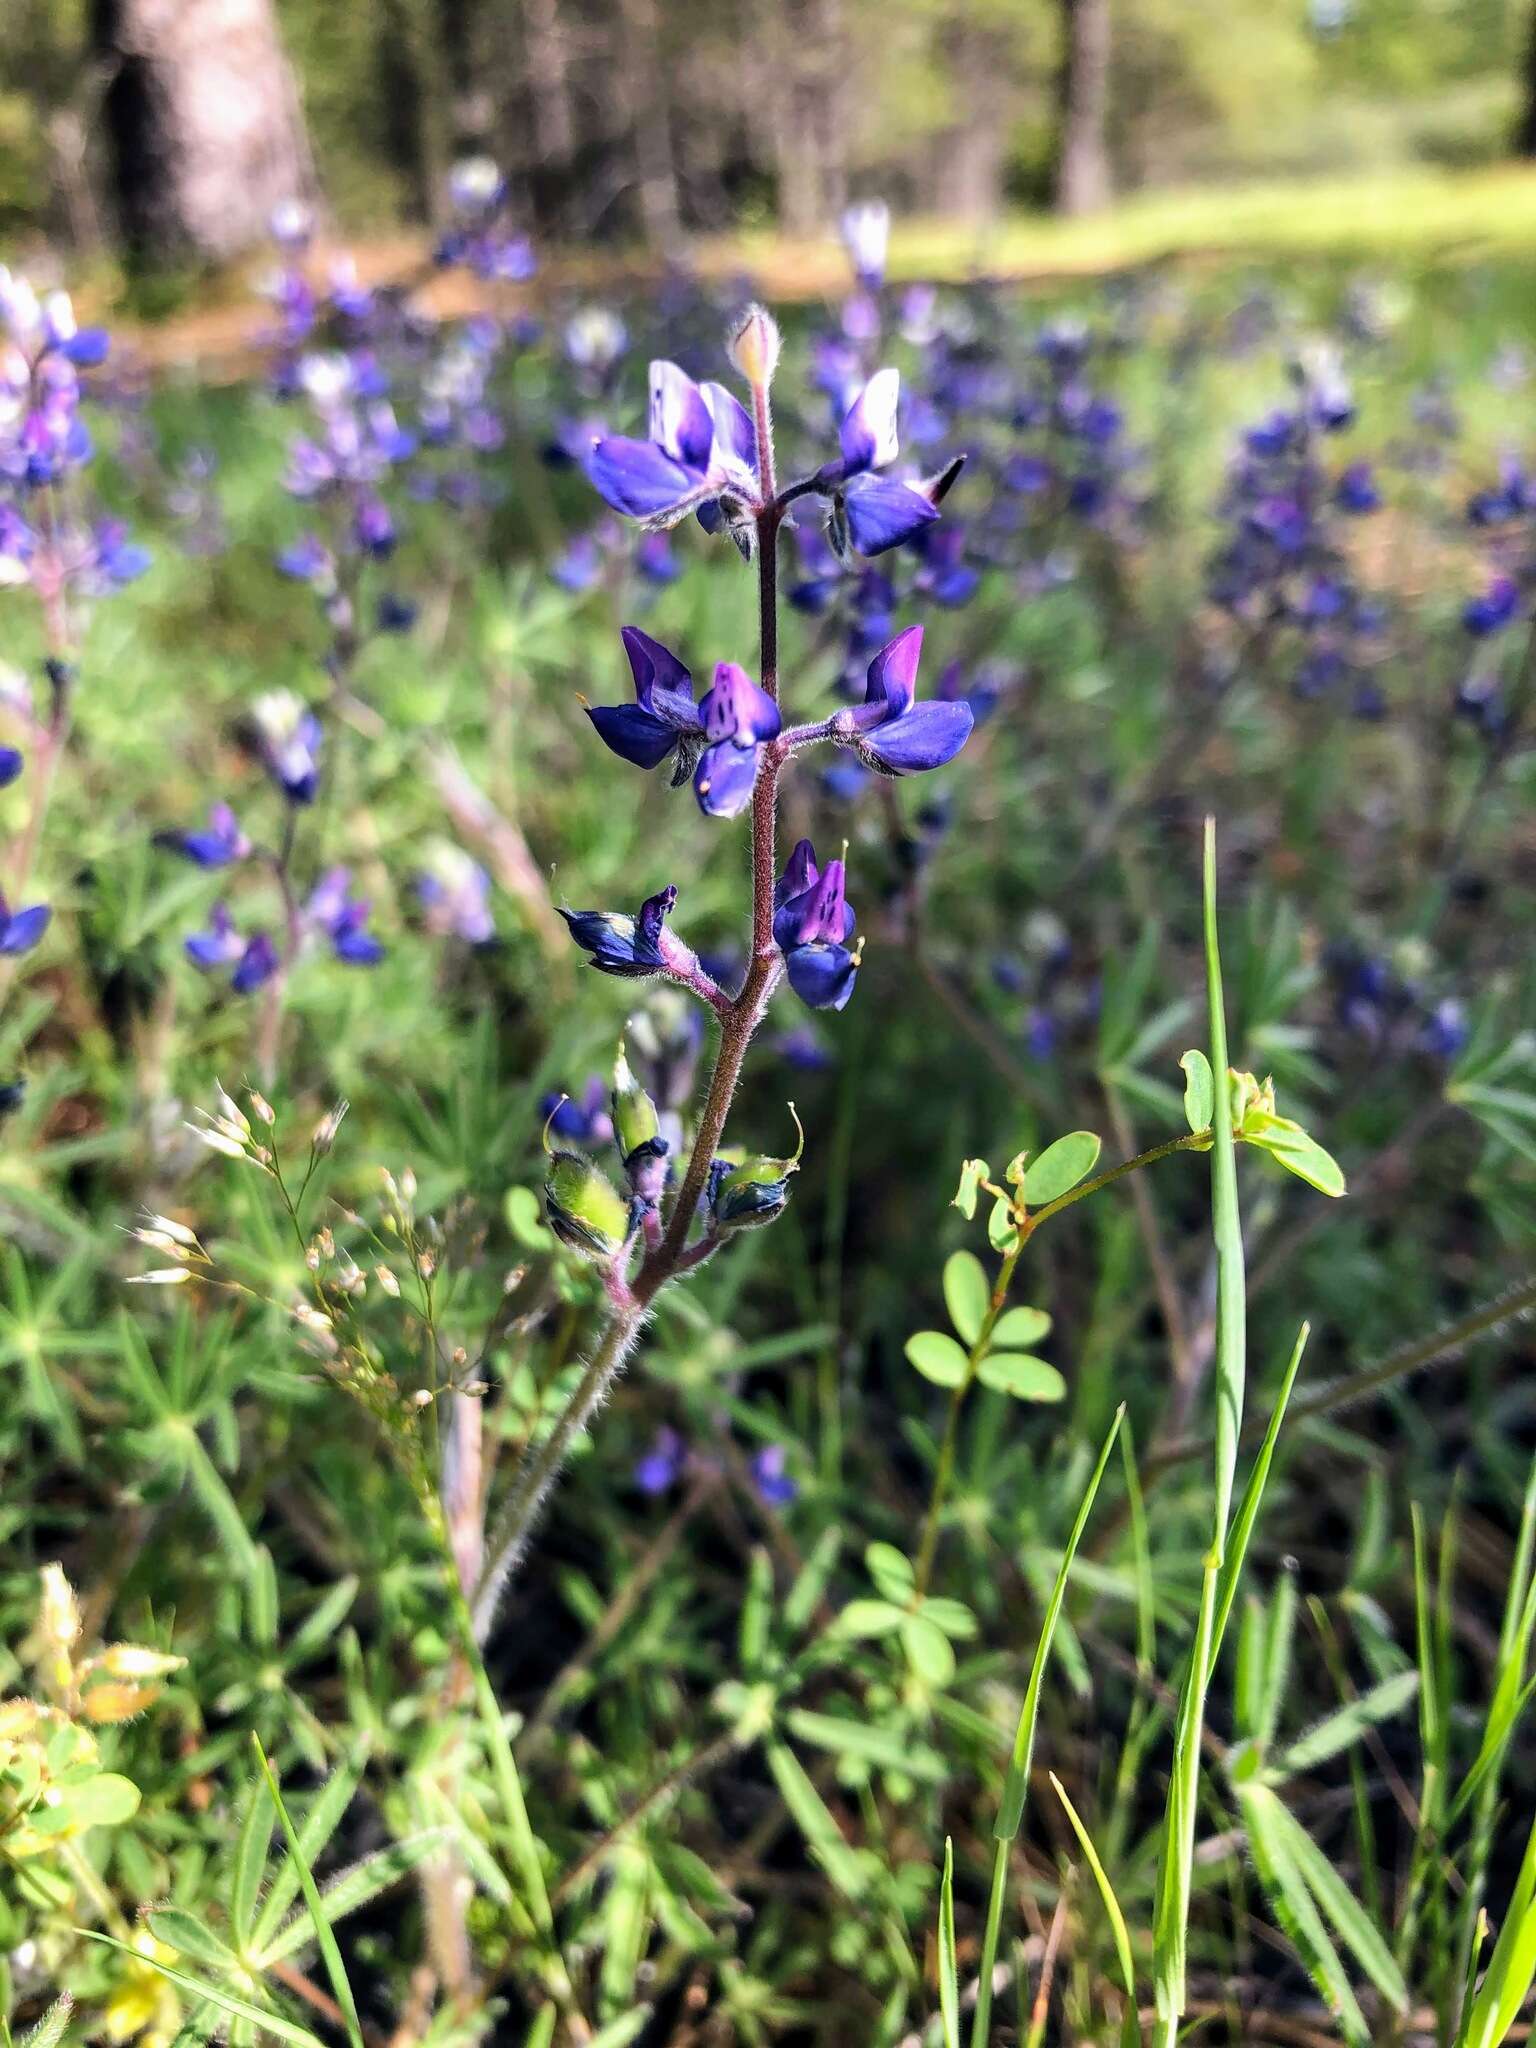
x=937, y=1357
x=1018, y=1329
x=1199, y=1091
x=1019, y=1374
x=966, y=1293
x=1059, y=1168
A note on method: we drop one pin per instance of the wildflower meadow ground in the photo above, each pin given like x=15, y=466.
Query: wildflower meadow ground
x=767, y=1124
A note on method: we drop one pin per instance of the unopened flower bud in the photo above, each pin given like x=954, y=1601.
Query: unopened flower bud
x=747, y=1196
x=325, y=1131
x=754, y=347
x=584, y=1208
x=636, y=1125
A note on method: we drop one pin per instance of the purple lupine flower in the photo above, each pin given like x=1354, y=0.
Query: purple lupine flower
x=811, y=926
x=118, y=560
x=308, y=560
x=775, y=1488
x=1356, y=490
x=873, y=513
x=580, y=566
x=343, y=919
x=219, y=946
x=1493, y=611
x=12, y=761
x=661, y=1467
x=455, y=893
x=701, y=445
x=288, y=736
x=738, y=716
x=256, y=965
x=663, y=715
x=627, y=946
x=20, y=930
x=890, y=731
x=393, y=613
x=219, y=845
x=584, y=1118
x=655, y=560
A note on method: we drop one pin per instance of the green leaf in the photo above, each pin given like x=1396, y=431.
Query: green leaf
x=891, y=1569
x=928, y=1649
x=49, y=2030
x=330, y=1954
x=1339, y=1730
x=1002, y=1230
x=953, y=1616
x=355, y=1887
x=214, y=1994
x=890, y=1749
x=251, y=1850
x=822, y=1833
x=1291, y=1147
x=1199, y=1091
x=949, y=1976
x=1512, y=1966
x=1058, y=1169
x=1026, y=1378
x=1021, y=1329
x=191, y=1938
x=1291, y=1899
x=937, y=1357
x=1339, y=1905
x=320, y=1822
x=972, y=1174
x=868, y=1618
x=967, y=1294
x=1130, y=2030
x=104, y=1801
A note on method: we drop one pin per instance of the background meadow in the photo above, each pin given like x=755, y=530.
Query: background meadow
x=1236, y=538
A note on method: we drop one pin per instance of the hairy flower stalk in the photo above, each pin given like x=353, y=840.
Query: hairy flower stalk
x=706, y=454
x=739, y=1020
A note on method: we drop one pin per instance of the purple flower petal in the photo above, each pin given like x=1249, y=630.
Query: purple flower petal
x=633, y=734
x=882, y=513
x=258, y=963
x=20, y=932
x=681, y=424
x=724, y=779
x=925, y=737
x=822, y=975
x=893, y=673
x=637, y=478
x=735, y=708
x=868, y=433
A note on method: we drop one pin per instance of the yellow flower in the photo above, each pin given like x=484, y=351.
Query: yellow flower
x=144, y=2007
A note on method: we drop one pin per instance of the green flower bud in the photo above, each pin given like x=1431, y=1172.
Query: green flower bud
x=635, y=1122
x=745, y=1197
x=585, y=1209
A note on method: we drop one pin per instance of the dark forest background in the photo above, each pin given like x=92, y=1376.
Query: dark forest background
x=168, y=128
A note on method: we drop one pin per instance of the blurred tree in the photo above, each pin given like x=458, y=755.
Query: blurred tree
x=202, y=122
x=1082, y=164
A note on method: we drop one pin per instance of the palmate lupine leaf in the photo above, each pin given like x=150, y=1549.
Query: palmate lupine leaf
x=1339, y=1730
x=353, y=1888
x=1272, y=1842
x=322, y=1817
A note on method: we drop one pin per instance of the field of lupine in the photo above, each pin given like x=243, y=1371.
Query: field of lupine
x=941, y=1450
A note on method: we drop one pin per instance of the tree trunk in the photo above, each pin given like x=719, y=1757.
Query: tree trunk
x=1082, y=166
x=1525, y=132
x=972, y=157
x=203, y=124
x=649, y=114
x=803, y=82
